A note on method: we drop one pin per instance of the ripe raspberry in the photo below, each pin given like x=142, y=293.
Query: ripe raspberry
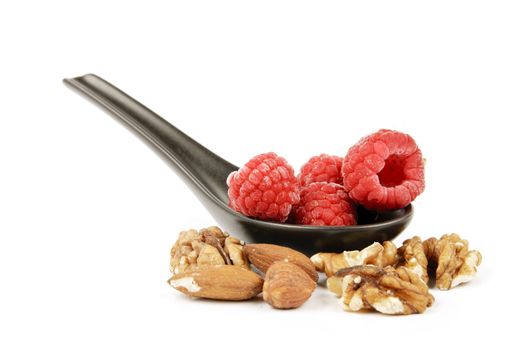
x=321, y=168
x=264, y=188
x=325, y=204
x=384, y=171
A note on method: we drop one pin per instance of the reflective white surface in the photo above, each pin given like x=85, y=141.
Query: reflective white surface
x=86, y=222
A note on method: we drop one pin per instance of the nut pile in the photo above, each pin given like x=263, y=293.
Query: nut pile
x=212, y=264
x=394, y=281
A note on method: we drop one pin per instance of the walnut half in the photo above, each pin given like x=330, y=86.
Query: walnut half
x=387, y=290
x=454, y=262
x=209, y=246
x=375, y=254
x=413, y=257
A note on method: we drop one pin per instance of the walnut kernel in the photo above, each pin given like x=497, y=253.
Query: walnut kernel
x=455, y=263
x=387, y=290
x=209, y=246
x=413, y=257
x=375, y=254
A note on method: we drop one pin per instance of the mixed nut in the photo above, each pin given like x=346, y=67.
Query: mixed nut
x=212, y=264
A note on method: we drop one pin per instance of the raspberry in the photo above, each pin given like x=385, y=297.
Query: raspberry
x=325, y=204
x=321, y=168
x=384, y=171
x=264, y=188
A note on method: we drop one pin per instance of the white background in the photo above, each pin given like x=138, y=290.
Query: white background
x=88, y=214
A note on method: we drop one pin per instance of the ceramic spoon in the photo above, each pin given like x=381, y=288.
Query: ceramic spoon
x=205, y=174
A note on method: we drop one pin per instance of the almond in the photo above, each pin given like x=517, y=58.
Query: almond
x=262, y=256
x=220, y=282
x=287, y=286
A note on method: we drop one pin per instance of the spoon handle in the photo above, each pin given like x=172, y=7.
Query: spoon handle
x=203, y=168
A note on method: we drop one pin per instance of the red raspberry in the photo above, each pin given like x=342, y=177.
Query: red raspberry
x=321, y=168
x=325, y=204
x=264, y=188
x=384, y=171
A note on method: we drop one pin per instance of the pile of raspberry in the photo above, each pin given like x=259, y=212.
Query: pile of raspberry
x=384, y=171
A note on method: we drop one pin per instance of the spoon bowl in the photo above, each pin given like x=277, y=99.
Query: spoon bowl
x=205, y=174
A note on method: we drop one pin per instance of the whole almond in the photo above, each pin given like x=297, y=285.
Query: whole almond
x=287, y=286
x=219, y=282
x=262, y=256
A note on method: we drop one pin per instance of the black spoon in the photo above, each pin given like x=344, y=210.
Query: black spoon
x=205, y=174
